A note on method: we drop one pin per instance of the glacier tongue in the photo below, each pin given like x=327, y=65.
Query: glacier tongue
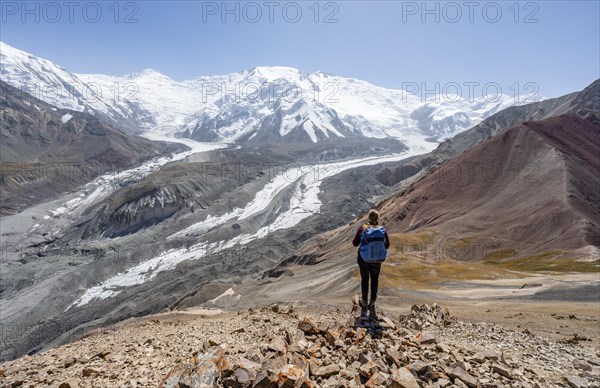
x=305, y=182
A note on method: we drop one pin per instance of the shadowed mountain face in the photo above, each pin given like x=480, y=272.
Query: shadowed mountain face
x=532, y=190
x=46, y=151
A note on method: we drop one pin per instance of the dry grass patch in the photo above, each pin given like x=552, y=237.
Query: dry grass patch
x=413, y=273
x=405, y=243
x=419, y=260
x=549, y=261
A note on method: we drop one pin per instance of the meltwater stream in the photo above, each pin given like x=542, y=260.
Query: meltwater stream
x=305, y=182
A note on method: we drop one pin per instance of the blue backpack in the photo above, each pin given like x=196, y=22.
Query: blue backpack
x=372, y=244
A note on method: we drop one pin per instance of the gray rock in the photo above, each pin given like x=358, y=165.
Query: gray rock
x=368, y=369
x=575, y=382
x=502, y=370
x=419, y=367
x=460, y=374
x=69, y=384
x=377, y=379
x=490, y=355
x=426, y=337
x=243, y=376
x=403, y=378
x=393, y=357
x=278, y=344
x=327, y=371
x=308, y=327
x=365, y=357
x=581, y=365
x=388, y=323
x=290, y=375
x=458, y=383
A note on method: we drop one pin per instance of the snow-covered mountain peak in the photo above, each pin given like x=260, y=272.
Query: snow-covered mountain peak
x=271, y=73
x=276, y=101
x=13, y=53
x=146, y=73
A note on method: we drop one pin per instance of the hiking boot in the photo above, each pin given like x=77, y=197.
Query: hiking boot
x=363, y=312
x=363, y=308
x=372, y=312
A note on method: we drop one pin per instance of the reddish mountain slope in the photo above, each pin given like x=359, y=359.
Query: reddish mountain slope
x=528, y=191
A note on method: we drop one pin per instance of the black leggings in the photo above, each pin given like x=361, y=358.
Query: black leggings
x=369, y=270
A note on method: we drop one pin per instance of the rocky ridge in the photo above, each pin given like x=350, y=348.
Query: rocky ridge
x=314, y=345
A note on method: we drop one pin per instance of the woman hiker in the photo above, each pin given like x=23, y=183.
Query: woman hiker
x=369, y=261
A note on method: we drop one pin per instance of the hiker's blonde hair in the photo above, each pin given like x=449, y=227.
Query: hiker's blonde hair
x=373, y=217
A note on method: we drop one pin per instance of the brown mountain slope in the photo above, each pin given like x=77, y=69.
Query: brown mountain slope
x=532, y=190
x=46, y=151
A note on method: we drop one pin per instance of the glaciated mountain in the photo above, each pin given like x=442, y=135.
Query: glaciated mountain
x=57, y=86
x=263, y=104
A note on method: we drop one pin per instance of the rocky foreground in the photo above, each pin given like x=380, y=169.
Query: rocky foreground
x=309, y=346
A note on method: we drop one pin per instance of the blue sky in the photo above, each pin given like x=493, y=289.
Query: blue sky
x=552, y=44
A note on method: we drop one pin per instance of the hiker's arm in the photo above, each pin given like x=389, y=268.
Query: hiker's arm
x=387, y=240
x=356, y=241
